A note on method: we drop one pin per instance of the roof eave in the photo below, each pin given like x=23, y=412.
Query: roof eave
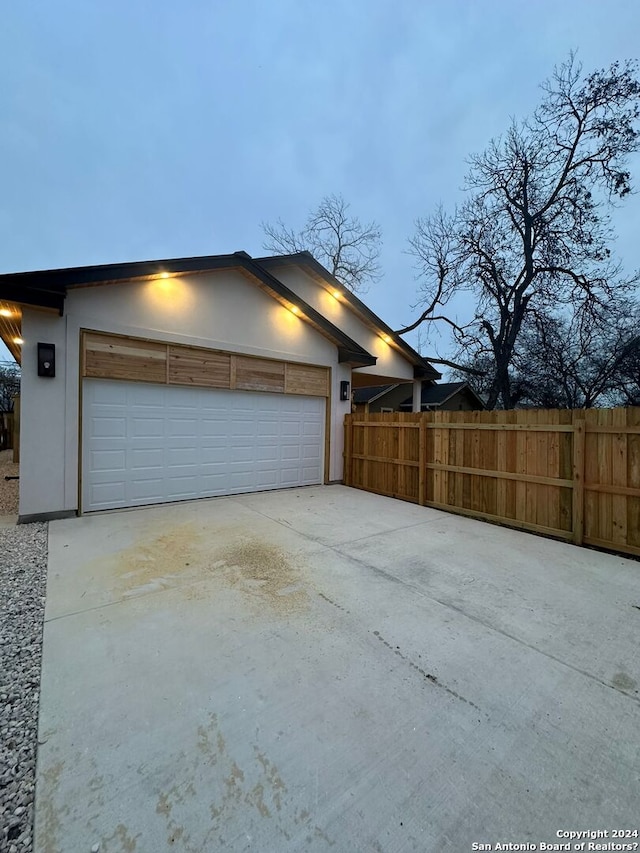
x=32, y=296
x=420, y=363
x=48, y=288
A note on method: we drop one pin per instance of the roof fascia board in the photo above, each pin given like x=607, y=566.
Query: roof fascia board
x=59, y=280
x=31, y=296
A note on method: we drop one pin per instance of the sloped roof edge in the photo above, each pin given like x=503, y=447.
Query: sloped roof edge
x=439, y=394
x=48, y=289
x=372, y=393
x=424, y=368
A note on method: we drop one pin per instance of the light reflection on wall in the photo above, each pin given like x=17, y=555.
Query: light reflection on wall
x=290, y=326
x=169, y=296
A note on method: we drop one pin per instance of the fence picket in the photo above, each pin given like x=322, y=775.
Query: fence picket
x=574, y=475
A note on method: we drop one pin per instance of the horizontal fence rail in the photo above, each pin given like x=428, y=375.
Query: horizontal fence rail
x=573, y=475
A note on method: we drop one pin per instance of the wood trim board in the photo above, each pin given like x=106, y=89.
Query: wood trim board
x=106, y=356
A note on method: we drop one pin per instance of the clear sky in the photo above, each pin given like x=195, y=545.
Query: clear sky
x=151, y=129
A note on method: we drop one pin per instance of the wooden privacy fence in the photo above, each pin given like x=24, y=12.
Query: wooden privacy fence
x=574, y=475
x=16, y=428
x=6, y=430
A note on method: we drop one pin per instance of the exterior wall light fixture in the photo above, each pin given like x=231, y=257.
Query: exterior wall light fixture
x=46, y=360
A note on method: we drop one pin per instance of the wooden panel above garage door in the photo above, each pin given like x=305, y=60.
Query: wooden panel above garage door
x=206, y=368
x=258, y=374
x=118, y=357
x=306, y=379
x=109, y=357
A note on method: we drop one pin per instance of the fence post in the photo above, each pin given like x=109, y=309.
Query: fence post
x=365, y=452
x=422, y=462
x=578, y=480
x=16, y=428
x=348, y=449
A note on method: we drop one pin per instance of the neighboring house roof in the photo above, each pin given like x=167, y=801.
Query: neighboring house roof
x=438, y=395
x=48, y=289
x=368, y=395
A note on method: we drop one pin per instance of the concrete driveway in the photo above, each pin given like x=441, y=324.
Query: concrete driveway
x=323, y=668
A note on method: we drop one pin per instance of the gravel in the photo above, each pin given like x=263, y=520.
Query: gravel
x=8, y=488
x=23, y=570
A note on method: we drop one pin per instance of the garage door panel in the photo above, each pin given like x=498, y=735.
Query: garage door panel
x=240, y=482
x=214, y=426
x=107, y=426
x=178, y=488
x=267, y=453
x=149, y=444
x=243, y=427
x=146, y=491
x=178, y=472
x=108, y=492
x=108, y=393
x=139, y=457
x=108, y=460
x=291, y=451
x=146, y=427
x=182, y=456
x=213, y=456
x=182, y=427
x=266, y=428
x=288, y=476
x=215, y=484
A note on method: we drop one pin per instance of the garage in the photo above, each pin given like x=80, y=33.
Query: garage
x=175, y=379
x=145, y=443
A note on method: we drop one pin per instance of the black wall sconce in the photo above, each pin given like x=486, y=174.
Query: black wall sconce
x=344, y=390
x=46, y=359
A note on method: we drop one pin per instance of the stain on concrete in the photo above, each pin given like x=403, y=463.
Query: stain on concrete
x=175, y=835
x=319, y=833
x=154, y=563
x=427, y=675
x=233, y=783
x=128, y=843
x=50, y=811
x=181, y=555
x=175, y=831
x=255, y=797
x=331, y=601
x=256, y=791
x=621, y=681
x=205, y=743
x=265, y=574
x=164, y=805
x=273, y=777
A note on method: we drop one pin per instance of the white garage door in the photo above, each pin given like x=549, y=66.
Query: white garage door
x=145, y=444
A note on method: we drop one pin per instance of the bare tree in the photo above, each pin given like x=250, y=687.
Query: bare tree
x=348, y=248
x=629, y=376
x=9, y=385
x=534, y=233
x=577, y=361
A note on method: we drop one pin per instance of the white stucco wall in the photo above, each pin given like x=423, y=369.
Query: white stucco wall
x=390, y=362
x=220, y=310
x=43, y=417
